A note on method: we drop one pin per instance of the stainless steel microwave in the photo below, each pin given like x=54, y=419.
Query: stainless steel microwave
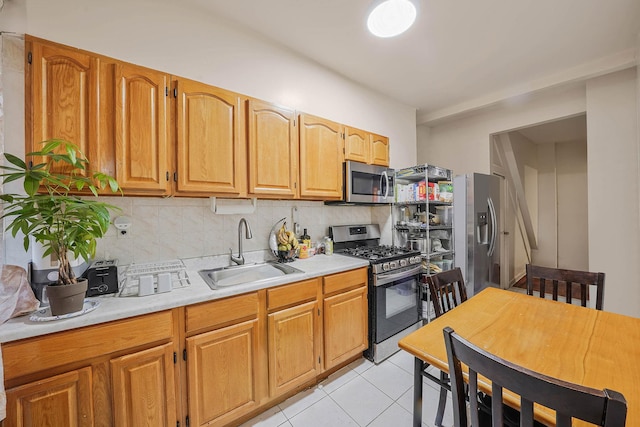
x=367, y=184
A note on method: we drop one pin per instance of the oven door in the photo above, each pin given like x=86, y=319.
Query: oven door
x=368, y=184
x=395, y=302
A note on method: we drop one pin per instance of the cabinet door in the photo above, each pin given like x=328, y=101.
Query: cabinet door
x=294, y=344
x=63, y=400
x=223, y=379
x=210, y=147
x=143, y=388
x=379, y=150
x=345, y=326
x=62, y=97
x=321, y=157
x=273, y=150
x=356, y=145
x=142, y=130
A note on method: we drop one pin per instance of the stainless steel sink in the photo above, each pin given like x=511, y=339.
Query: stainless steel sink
x=223, y=277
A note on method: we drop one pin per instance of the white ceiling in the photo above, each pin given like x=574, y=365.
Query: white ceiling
x=460, y=54
x=572, y=129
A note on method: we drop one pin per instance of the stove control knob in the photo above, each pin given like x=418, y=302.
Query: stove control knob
x=393, y=264
x=385, y=266
x=416, y=260
x=403, y=263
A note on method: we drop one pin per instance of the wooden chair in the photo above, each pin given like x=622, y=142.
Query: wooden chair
x=570, y=279
x=599, y=407
x=447, y=291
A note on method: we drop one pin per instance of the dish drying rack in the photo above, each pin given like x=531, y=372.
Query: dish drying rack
x=130, y=278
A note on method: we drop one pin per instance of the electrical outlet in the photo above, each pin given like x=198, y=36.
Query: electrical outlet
x=123, y=234
x=123, y=227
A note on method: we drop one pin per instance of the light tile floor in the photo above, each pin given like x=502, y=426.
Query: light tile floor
x=360, y=394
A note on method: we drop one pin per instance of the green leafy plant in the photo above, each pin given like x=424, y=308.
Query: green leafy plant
x=62, y=222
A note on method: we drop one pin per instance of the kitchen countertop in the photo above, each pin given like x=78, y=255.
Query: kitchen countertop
x=113, y=308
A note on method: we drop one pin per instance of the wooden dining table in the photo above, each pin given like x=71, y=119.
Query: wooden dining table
x=581, y=345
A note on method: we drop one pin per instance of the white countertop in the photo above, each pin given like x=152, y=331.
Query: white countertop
x=113, y=308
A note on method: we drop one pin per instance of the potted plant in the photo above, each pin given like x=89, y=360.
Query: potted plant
x=65, y=224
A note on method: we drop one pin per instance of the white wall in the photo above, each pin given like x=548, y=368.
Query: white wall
x=464, y=144
x=572, y=202
x=611, y=104
x=185, y=41
x=547, y=233
x=613, y=159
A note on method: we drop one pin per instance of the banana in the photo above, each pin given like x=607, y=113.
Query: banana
x=283, y=237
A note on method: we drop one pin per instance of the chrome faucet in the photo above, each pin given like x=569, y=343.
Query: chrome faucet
x=240, y=258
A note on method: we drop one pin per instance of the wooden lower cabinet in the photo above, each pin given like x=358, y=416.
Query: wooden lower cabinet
x=345, y=316
x=294, y=335
x=345, y=325
x=293, y=347
x=222, y=368
x=242, y=353
x=143, y=388
x=119, y=373
x=62, y=400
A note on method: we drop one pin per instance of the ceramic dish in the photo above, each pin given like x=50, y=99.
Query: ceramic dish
x=44, y=314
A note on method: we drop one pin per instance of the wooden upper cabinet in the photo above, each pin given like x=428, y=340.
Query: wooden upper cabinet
x=357, y=145
x=379, y=150
x=210, y=145
x=61, y=97
x=142, y=130
x=321, y=157
x=273, y=150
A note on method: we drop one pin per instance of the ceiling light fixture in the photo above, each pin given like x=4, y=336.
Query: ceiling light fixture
x=391, y=18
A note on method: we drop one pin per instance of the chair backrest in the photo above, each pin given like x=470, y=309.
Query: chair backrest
x=605, y=408
x=447, y=290
x=552, y=278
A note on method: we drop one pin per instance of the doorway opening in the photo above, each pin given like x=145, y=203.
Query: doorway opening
x=545, y=209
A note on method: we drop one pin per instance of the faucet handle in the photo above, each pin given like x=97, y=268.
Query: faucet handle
x=239, y=260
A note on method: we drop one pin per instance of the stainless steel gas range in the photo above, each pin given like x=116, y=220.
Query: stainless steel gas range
x=394, y=277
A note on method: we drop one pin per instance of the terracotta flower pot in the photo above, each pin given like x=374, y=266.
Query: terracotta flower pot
x=65, y=299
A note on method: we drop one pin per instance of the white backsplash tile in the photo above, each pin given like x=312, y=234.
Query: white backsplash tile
x=180, y=227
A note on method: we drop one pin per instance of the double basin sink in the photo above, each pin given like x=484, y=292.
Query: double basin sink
x=223, y=277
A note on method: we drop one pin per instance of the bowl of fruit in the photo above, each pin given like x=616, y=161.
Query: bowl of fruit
x=283, y=243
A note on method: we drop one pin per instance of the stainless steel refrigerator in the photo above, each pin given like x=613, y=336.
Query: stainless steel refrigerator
x=476, y=210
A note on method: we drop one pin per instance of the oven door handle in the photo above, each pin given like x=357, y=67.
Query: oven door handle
x=390, y=277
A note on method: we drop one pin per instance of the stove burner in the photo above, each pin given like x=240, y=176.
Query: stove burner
x=379, y=253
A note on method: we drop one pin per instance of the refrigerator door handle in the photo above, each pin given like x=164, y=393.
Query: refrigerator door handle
x=494, y=227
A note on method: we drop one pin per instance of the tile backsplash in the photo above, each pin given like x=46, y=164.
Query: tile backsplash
x=168, y=228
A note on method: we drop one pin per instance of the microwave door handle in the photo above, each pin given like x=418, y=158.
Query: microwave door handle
x=386, y=184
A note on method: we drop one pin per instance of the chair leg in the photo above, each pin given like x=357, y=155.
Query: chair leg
x=442, y=402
